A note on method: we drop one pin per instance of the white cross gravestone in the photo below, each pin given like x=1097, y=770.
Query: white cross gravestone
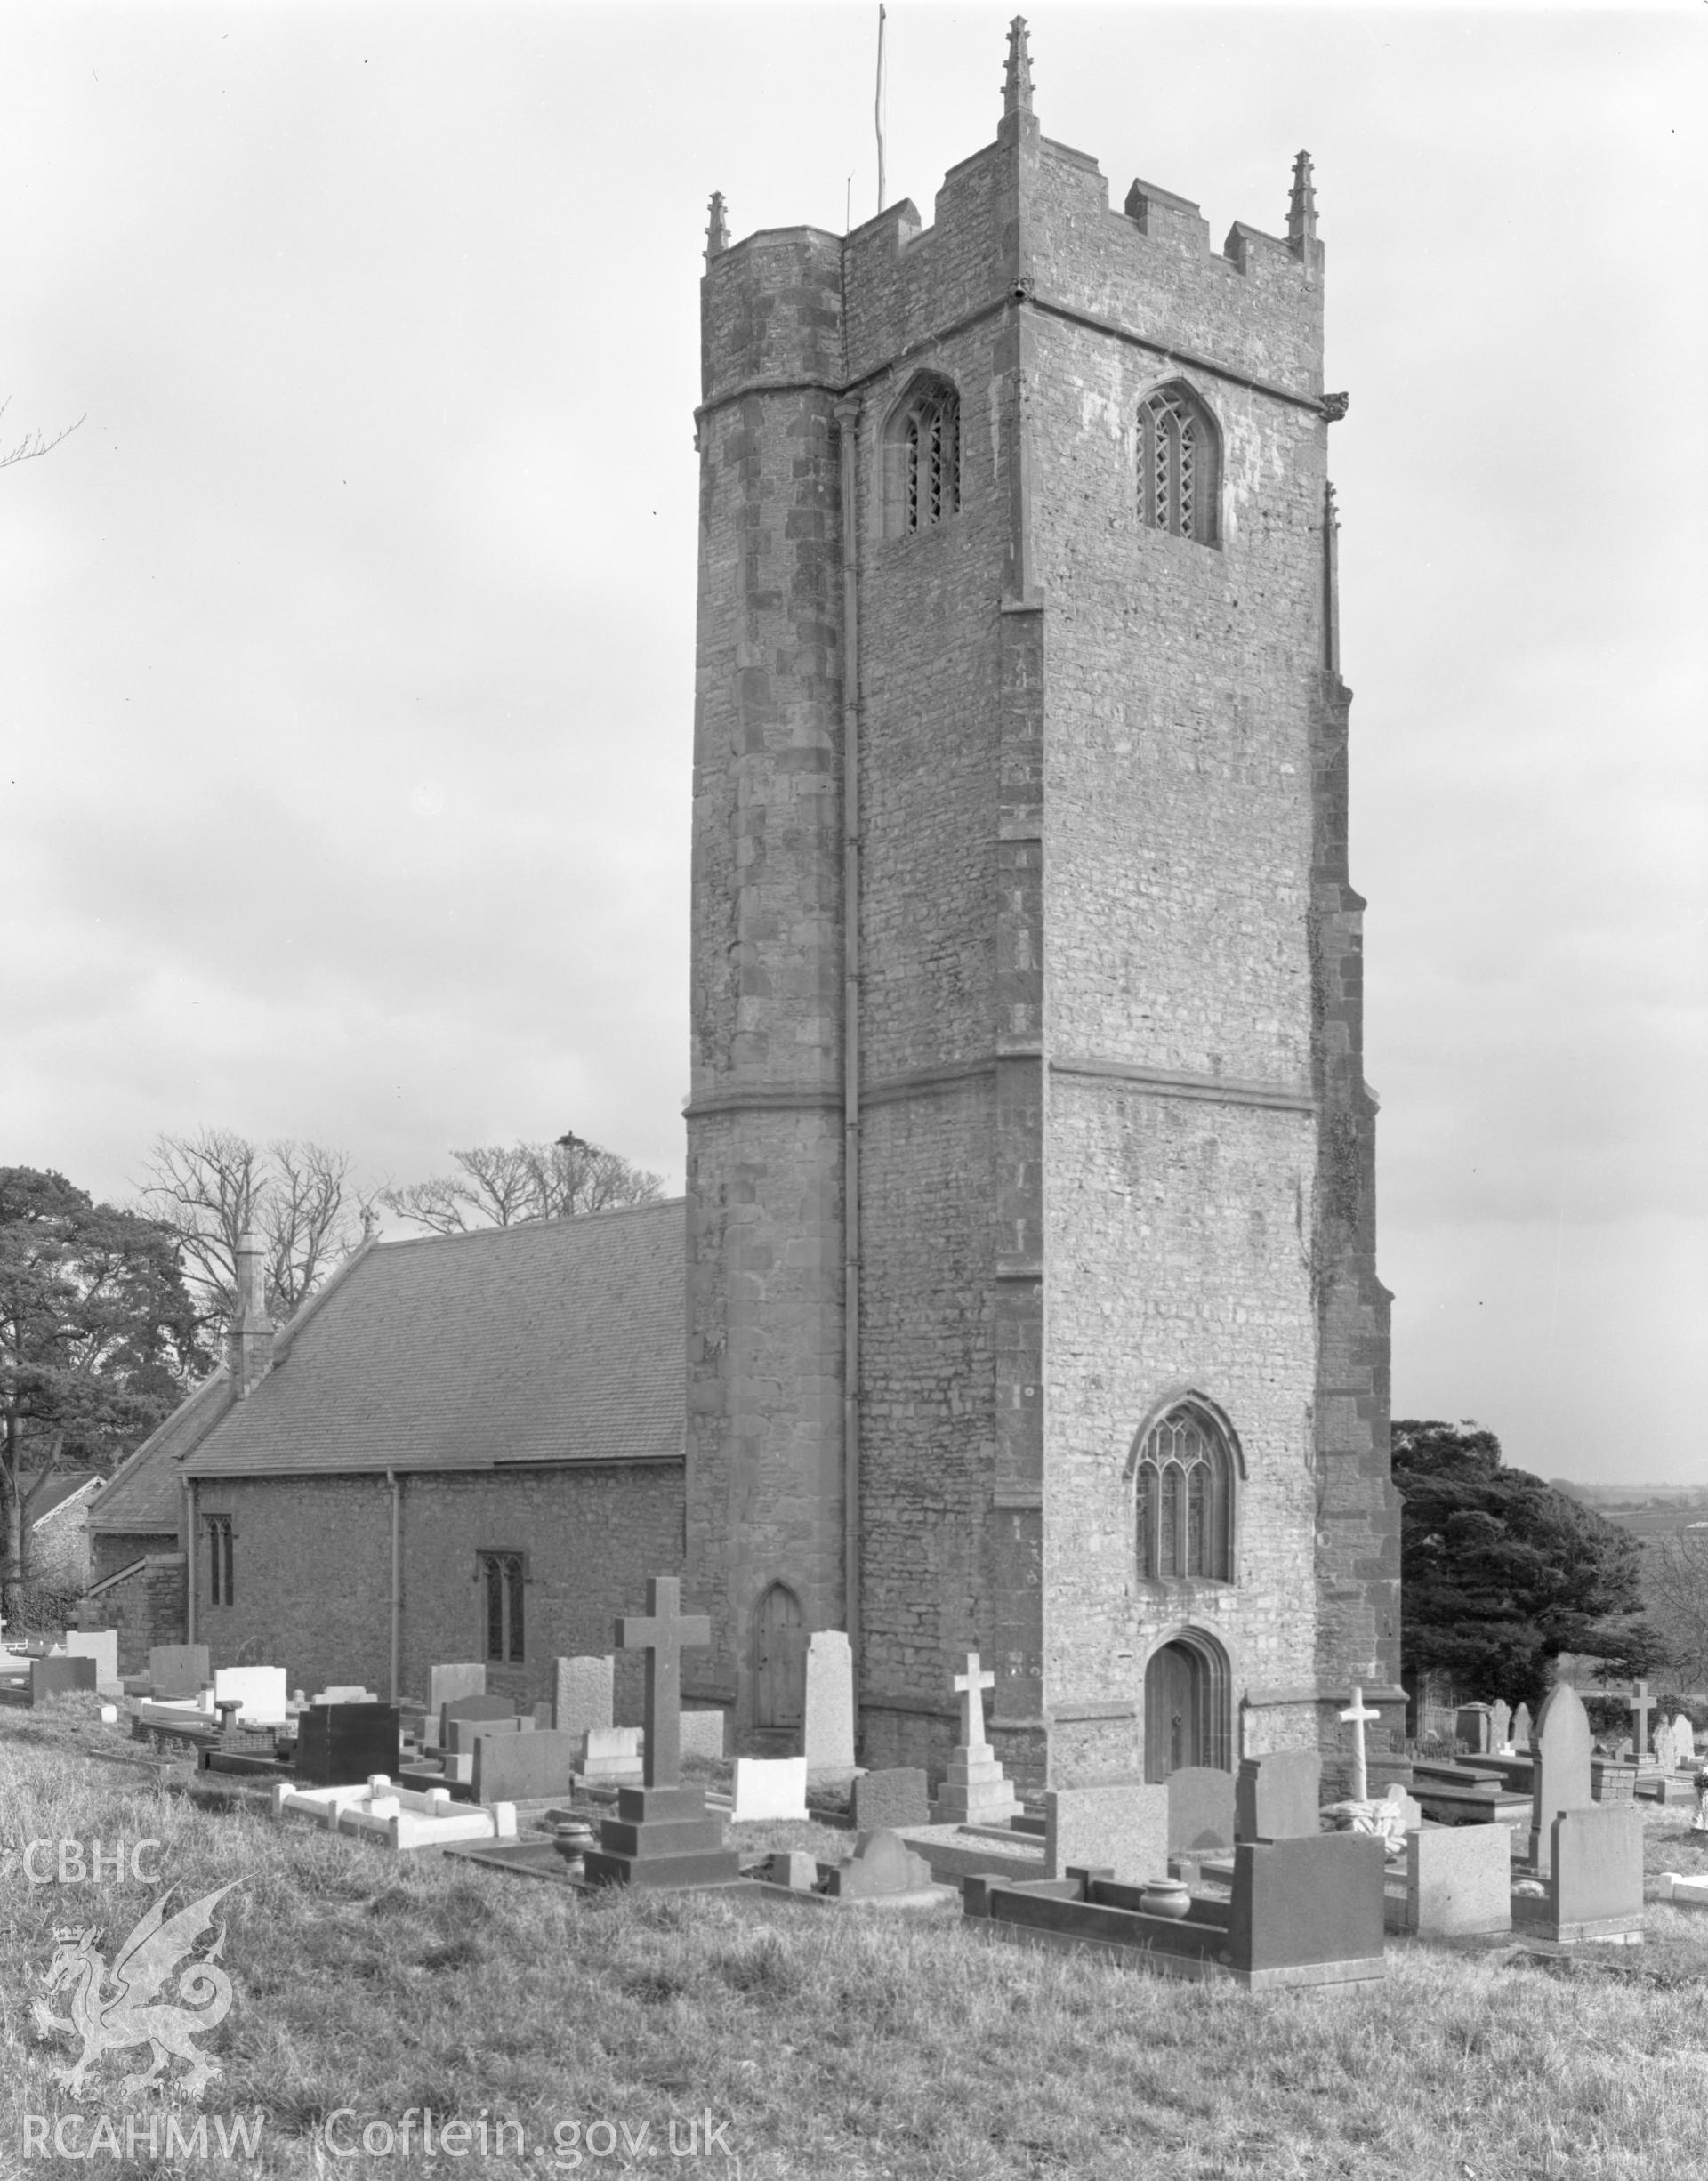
x=1357, y=1715
x=975, y=1790
x=970, y=1687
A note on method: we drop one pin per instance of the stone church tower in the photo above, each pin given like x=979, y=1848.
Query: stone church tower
x=1032, y=1297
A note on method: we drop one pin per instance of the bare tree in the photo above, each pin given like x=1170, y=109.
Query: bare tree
x=32, y=444
x=1676, y=1581
x=497, y=1185
x=214, y=1186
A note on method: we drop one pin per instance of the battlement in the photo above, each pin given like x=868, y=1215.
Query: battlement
x=1025, y=218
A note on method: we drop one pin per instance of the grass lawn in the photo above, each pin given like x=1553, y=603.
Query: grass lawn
x=823, y=2044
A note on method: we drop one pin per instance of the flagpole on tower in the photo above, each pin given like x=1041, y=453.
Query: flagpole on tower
x=877, y=107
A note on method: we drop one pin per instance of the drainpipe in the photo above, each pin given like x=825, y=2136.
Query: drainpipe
x=848, y=414
x=190, y=1559
x=396, y=1483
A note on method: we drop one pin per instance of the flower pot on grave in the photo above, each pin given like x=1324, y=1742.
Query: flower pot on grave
x=1166, y=1897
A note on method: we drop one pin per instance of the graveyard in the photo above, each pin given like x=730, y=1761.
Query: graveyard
x=564, y=1920
x=849, y=2045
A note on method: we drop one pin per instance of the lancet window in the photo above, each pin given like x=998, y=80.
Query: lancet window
x=1179, y=465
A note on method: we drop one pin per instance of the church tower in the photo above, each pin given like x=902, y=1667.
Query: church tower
x=1032, y=1298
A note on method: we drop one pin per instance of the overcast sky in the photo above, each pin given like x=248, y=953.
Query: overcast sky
x=347, y=678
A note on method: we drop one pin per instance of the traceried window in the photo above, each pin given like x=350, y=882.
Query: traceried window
x=219, y=1560
x=503, y=1578
x=1179, y=465
x=1184, y=1501
x=923, y=459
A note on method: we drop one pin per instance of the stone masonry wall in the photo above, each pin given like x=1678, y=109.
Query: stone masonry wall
x=312, y=1572
x=765, y=1244
x=1179, y=681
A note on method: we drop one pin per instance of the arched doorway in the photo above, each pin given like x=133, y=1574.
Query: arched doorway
x=780, y=1659
x=1186, y=1707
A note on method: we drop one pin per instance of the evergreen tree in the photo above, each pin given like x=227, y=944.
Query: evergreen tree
x=1500, y=1573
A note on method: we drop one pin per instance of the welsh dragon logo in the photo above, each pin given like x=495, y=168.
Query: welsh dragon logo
x=109, y=2020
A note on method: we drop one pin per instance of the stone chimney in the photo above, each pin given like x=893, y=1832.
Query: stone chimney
x=249, y=1344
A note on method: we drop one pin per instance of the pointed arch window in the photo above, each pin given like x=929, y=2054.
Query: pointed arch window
x=1184, y=1501
x=922, y=458
x=1179, y=464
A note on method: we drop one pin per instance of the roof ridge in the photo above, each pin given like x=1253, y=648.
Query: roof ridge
x=535, y=1226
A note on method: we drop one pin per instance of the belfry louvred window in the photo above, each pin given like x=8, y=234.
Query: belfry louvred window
x=924, y=458
x=1184, y=1501
x=1179, y=465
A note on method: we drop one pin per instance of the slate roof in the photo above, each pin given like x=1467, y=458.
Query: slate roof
x=66, y=1484
x=559, y=1341
x=143, y=1496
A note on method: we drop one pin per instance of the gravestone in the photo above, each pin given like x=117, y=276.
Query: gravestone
x=976, y=1792
x=340, y=1745
x=1459, y=1880
x=1500, y=1725
x=793, y=1867
x=1359, y=1716
x=464, y=1732
x=1474, y=1727
x=1521, y=1730
x=101, y=1644
x=1666, y=1754
x=1640, y=1703
x=585, y=1694
x=1121, y=1826
x=1597, y=1866
x=1561, y=1772
x=769, y=1787
x=341, y=1693
x=885, y=1801
x=1684, y=1740
x=884, y=1865
x=612, y=1754
x=703, y=1734
x=258, y=1692
x=1408, y=1811
x=445, y=1684
x=475, y=1707
x=1299, y=1902
x=60, y=1676
x=662, y=1834
x=178, y=1671
x=1200, y=1811
x=827, y=1738
x=1278, y=1797
x=524, y=1768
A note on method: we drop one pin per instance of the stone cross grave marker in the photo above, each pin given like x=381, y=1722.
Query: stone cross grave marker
x=969, y=1687
x=664, y=1632
x=1357, y=1715
x=1640, y=1703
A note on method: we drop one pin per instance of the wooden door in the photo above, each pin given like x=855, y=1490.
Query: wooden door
x=1174, y=1712
x=779, y=1660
